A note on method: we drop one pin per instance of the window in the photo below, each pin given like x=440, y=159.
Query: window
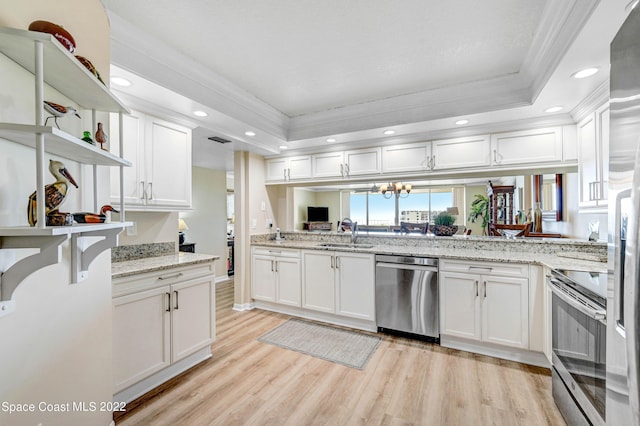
x=420, y=206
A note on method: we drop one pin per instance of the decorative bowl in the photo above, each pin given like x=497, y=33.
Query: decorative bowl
x=443, y=230
x=57, y=31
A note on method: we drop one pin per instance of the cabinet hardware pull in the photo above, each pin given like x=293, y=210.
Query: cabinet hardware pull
x=272, y=266
x=289, y=173
x=480, y=268
x=485, y=289
x=176, y=307
x=332, y=262
x=276, y=266
x=433, y=162
x=337, y=262
x=275, y=251
x=341, y=169
x=476, y=288
x=150, y=190
x=347, y=169
x=166, y=277
x=143, y=195
x=495, y=155
x=285, y=173
x=168, y=302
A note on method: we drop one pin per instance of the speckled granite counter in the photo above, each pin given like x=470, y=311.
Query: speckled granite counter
x=158, y=263
x=540, y=252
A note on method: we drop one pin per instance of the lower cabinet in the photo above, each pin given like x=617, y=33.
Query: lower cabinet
x=342, y=283
x=275, y=276
x=478, y=304
x=160, y=325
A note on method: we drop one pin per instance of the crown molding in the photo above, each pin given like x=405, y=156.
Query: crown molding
x=559, y=26
x=589, y=104
x=136, y=51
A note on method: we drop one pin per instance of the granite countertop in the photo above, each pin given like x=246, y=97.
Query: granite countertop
x=158, y=263
x=545, y=259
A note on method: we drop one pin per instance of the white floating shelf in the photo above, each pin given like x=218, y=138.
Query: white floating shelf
x=62, y=71
x=60, y=143
x=30, y=231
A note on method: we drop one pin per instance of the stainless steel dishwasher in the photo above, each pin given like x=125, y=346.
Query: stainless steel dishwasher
x=407, y=295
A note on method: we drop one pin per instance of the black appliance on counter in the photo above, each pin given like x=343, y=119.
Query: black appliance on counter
x=579, y=345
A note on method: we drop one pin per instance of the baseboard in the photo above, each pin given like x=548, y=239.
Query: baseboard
x=243, y=307
x=156, y=379
x=356, y=323
x=503, y=352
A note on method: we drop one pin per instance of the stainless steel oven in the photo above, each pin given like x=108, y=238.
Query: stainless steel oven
x=579, y=343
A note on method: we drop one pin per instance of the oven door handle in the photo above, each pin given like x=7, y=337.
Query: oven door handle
x=596, y=314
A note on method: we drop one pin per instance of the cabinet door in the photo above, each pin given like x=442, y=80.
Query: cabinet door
x=505, y=311
x=299, y=167
x=461, y=152
x=318, y=281
x=263, y=278
x=277, y=169
x=192, y=316
x=460, y=305
x=527, y=147
x=289, y=281
x=362, y=161
x=141, y=336
x=134, y=180
x=413, y=157
x=330, y=164
x=355, y=285
x=587, y=161
x=168, y=149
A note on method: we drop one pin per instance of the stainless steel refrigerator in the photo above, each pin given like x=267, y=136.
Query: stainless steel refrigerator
x=623, y=296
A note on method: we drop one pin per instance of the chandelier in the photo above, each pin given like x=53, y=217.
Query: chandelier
x=395, y=188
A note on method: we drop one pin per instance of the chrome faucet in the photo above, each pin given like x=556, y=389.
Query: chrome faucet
x=354, y=232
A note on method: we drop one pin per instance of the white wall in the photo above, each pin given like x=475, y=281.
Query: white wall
x=207, y=220
x=151, y=227
x=56, y=346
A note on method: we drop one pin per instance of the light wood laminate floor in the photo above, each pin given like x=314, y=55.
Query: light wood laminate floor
x=406, y=382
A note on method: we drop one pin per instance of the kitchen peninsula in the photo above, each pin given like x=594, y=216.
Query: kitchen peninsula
x=492, y=294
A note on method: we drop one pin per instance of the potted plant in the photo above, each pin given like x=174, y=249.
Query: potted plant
x=480, y=210
x=444, y=225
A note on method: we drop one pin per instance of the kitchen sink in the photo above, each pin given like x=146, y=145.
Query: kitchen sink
x=347, y=245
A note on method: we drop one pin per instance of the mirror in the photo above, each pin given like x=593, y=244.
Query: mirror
x=548, y=192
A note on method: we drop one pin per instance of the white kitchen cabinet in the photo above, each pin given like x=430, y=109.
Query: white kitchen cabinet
x=411, y=157
x=482, y=305
x=160, y=319
x=276, y=276
x=141, y=336
x=362, y=162
x=527, y=147
x=161, y=176
x=593, y=159
x=340, y=283
x=328, y=164
x=458, y=153
x=288, y=168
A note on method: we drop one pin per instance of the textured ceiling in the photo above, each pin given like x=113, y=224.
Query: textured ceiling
x=303, y=56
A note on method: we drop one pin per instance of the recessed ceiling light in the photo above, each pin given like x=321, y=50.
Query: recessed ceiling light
x=200, y=113
x=461, y=122
x=331, y=140
x=250, y=133
x=587, y=72
x=120, y=81
x=553, y=109
x=389, y=132
x=284, y=147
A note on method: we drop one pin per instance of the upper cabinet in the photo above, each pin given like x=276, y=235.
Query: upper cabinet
x=527, y=147
x=161, y=176
x=410, y=157
x=593, y=158
x=362, y=162
x=461, y=153
x=287, y=168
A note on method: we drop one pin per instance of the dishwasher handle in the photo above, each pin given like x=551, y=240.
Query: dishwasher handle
x=406, y=266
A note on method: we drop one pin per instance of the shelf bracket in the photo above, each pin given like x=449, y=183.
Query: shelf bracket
x=82, y=256
x=50, y=253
